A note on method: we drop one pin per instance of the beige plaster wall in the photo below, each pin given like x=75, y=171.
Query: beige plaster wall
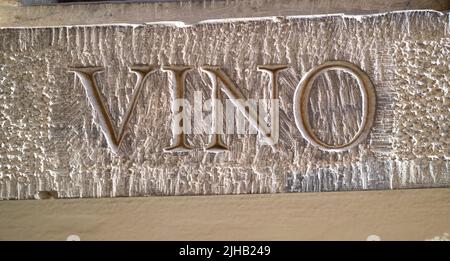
x=390, y=215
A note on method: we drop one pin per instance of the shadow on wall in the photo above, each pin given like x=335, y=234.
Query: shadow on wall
x=49, y=2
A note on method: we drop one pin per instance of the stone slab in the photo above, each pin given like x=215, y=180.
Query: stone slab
x=52, y=138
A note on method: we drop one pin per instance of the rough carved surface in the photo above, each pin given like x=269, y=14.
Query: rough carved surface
x=51, y=139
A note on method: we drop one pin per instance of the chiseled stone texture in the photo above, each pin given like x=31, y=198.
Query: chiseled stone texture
x=51, y=141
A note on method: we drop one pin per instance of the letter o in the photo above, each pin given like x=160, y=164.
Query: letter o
x=301, y=97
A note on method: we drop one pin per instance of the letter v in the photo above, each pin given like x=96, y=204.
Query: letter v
x=87, y=78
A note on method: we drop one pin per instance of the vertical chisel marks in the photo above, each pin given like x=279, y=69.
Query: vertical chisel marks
x=52, y=139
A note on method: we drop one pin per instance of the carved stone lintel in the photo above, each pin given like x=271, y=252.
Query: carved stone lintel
x=286, y=104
